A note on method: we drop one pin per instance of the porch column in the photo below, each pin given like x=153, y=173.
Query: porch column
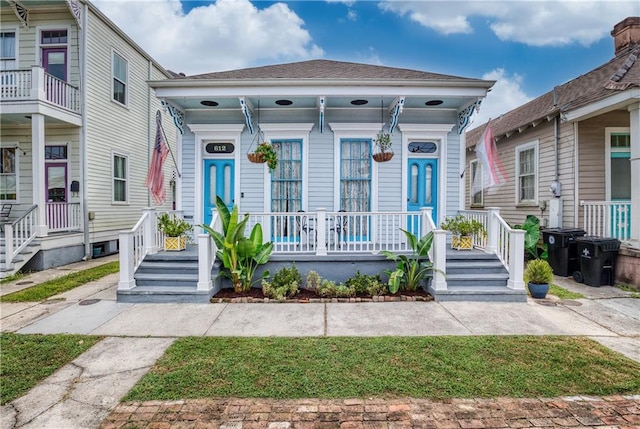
x=634, y=122
x=37, y=83
x=150, y=230
x=493, y=229
x=37, y=173
x=321, y=232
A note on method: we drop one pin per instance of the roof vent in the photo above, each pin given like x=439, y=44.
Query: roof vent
x=626, y=34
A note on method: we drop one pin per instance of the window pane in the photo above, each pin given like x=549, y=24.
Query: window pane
x=8, y=187
x=355, y=181
x=527, y=184
x=118, y=91
x=119, y=190
x=620, y=179
x=119, y=167
x=8, y=165
x=55, y=152
x=286, y=180
x=7, y=45
x=428, y=184
x=620, y=140
x=414, y=184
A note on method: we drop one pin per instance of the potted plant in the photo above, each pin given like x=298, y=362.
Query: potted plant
x=463, y=231
x=383, y=144
x=538, y=274
x=175, y=229
x=265, y=152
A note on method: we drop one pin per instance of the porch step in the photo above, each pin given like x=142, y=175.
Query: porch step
x=164, y=294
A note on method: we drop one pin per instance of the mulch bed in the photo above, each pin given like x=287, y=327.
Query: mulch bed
x=255, y=295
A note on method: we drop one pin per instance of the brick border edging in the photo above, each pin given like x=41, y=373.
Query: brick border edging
x=251, y=300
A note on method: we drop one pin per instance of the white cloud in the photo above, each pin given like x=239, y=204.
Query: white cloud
x=535, y=23
x=225, y=35
x=506, y=94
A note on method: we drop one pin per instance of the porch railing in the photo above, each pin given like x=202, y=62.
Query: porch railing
x=607, y=219
x=63, y=217
x=207, y=253
x=141, y=240
x=35, y=84
x=19, y=234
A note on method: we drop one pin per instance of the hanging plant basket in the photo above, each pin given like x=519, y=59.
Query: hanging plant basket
x=257, y=158
x=382, y=156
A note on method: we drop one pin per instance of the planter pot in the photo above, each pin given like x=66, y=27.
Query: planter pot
x=257, y=158
x=175, y=243
x=462, y=242
x=382, y=156
x=538, y=290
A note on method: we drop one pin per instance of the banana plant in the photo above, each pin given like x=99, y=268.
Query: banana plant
x=240, y=255
x=410, y=269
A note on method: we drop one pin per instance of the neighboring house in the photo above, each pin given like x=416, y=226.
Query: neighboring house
x=77, y=128
x=572, y=155
x=322, y=118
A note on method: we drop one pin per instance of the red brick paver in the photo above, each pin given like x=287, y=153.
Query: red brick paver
x=622, y=412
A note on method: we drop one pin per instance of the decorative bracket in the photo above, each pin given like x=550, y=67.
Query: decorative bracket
x=176, y=114
x=21, y=12
x=247, y=111
x=74, y=7
x=464, y=116
x=396, y=109
x=321, y=105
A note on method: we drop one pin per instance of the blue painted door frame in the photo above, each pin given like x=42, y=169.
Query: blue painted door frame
x=219, y=181
x=422, y=189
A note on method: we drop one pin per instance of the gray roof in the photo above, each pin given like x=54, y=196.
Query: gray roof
x=615, y=76
x=327, y=70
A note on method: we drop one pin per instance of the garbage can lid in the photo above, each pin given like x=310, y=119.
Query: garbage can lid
x=606, y=244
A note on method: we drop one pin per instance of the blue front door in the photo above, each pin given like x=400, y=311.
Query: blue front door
x=218, y=181
x=422, y=189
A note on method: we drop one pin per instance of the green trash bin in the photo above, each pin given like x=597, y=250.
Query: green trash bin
x=597, y=260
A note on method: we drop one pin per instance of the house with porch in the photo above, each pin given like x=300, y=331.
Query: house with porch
x=329, y=203
x=77, y=126
x=572, y=155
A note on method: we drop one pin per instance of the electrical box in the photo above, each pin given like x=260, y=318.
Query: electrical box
x=91, y=215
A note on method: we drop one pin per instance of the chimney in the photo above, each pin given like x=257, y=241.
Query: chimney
x=626, y=34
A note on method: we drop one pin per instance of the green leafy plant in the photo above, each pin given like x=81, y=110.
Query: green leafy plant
x=364, y=284
x=531, y=227
x=268, y=154
x=327, y=288
x=460, y=225
x=538, y=271
x=383, y=141
x=285, y=283
x=240, y=255
x=410, y=269
x=313, y=281
x=344, y=291
x=173, y=225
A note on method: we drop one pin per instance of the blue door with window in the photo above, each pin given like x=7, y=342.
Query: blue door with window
x=218, y=181
x=422, y=189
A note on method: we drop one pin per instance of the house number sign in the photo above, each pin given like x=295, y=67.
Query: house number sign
x=219, y=148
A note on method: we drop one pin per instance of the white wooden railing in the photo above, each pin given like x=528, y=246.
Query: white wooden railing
x=63, y=217
x=607, y=219
x=19, y=234
x=141, y=240
x=207, y=253
x=506, y=242
x=35, y=84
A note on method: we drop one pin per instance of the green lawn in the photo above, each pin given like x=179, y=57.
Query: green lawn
x=432, y=367
x=563, y=293
x=62, y=284
x=29, y=359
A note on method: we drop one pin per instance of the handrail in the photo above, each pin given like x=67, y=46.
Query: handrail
x=510, y=250
x=135, y=244
x=19, y=233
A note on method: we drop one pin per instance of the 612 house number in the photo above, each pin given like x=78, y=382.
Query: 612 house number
x=219, y=148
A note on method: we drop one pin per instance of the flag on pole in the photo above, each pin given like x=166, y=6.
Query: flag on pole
x=155, y=177
x=492, y=172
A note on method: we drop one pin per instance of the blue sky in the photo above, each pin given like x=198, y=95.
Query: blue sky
x=526, y=46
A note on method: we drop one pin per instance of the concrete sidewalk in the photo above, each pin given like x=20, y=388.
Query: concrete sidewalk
x=83, y=393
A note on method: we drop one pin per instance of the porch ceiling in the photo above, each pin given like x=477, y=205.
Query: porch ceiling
x=24, y=120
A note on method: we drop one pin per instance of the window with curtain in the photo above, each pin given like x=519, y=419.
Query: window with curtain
x=527, y=171
x=355, y=175
x=8, y=175
x=119, y=79
x=7, y=50
x=286, y=180
x=477, y=192
x=119, y=178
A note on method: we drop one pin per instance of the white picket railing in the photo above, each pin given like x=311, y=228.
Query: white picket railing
x=141, y=240
x=607, y=219
x=19, y=234
x=63, y=217
x=35, y=84
x=479, y=240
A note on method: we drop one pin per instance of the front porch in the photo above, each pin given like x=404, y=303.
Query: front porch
x=335, y=244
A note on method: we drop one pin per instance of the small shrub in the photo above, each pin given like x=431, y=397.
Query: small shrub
x=327, y=289
x=344, y=291
x=538, y=271
x=285, y=284
x=377, y=288
x=364, y=284
x=313, y=281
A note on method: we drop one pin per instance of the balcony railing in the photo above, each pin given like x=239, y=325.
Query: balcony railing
x=35, y=84
x=63, y=217
x=607, y=219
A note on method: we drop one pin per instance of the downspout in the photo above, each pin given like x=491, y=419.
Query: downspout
x=555, y=203
x=149, y=116
x=83, y=134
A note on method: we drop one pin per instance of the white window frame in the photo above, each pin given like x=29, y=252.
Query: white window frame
x=519, y=149
x=14, y=146
x=15, y=31
x=608, y=131
x=126, y=178
x=479, y=168
x=113, y=77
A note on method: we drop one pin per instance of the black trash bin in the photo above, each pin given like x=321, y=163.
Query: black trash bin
x=597, y=260
x=562, y=249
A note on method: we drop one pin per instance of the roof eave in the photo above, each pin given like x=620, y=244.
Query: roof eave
x=604, y=105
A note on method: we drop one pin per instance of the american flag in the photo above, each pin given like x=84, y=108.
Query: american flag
x=492, y=172
x=155, y=177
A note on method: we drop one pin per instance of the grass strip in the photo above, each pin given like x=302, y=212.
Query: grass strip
x=29, y=359
x=429, y=367
x=62, y=284
x=563, y=293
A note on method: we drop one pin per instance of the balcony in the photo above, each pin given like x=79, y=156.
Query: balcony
x=34, y=85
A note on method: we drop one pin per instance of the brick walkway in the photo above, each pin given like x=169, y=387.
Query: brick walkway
x=574, y=412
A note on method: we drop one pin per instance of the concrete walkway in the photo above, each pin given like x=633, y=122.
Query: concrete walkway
x=82, y=394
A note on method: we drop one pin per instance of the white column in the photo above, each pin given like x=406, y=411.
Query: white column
x=439, y=260
x=206, y=253
x=126, y=261
x=516, y=259
x=150, y=230
x=634, y=122
x=427, y=213
x=493, y=229
x=321, y=232
x=37, y=172
x=37, y=83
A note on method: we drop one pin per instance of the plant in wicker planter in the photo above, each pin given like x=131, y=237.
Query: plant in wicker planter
x=175, y=230
x=265, y=152
x=463, y=231
x=383, y=144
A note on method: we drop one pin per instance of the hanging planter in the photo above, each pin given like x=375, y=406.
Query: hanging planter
x=256, y=158
x=265, y=152
x=383, y=145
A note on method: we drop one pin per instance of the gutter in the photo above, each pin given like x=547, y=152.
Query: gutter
x=83, y=137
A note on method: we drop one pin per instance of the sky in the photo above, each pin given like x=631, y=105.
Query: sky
x=527, y=47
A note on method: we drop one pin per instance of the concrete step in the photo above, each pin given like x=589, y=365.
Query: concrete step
x=163, y=279
x=168, y=267
x=164, y=294
x=477, y=280
x=473, y=266
x=481, y=294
